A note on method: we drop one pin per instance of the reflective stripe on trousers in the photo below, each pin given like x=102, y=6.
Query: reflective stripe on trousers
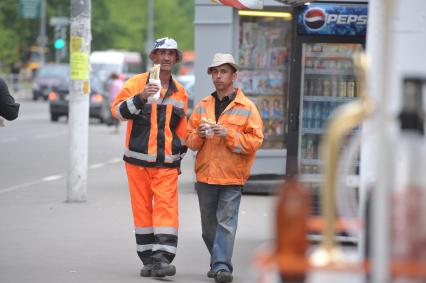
x=154, y=199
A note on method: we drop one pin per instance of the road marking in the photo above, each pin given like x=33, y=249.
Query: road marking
x=52, y=178
x=14, y=188
x=97, y=165
x=114, y=160
x=55, y=177
x=53, y=135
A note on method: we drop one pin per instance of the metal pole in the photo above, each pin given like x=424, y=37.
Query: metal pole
x=150, y=32
x=79, y=100
x=379, y=50
x=42, y=32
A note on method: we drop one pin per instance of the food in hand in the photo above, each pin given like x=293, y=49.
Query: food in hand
x=208, y=126
x=154, y=78
x=208, y=121
x=154, y=73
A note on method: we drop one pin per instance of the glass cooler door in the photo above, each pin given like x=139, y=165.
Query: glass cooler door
x=328, y=80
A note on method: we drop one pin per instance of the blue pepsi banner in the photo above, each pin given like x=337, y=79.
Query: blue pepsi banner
x=333, y=19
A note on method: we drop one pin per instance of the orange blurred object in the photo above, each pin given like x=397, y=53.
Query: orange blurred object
x=97, y=98
x=291, y=229
x=53, y=96
x=187, y=65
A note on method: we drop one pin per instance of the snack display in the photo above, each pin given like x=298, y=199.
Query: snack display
x=154, y=78
x=208, y=122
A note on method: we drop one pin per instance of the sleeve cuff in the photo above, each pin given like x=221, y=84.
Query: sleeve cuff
x=138, y=102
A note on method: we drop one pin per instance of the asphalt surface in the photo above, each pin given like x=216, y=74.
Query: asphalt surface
x=45, y=239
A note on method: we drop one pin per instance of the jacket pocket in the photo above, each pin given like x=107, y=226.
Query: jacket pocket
x=177, y=115
x=236, y=123
x=139, y=137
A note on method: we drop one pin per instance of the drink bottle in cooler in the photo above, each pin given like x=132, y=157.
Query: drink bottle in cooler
x=351, y=88
x=334, y=87
x=326, y=87
x=342, y=87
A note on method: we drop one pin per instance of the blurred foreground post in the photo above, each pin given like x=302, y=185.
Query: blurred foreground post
x=79, y=100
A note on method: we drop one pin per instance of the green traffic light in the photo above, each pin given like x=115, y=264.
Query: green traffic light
x=59, y=43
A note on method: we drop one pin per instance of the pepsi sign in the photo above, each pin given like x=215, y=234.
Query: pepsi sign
x=333, y=19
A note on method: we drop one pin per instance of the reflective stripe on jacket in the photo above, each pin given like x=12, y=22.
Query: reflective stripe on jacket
x=156, y=132
x=228, y=160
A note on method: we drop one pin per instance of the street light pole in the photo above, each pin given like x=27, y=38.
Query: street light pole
x=42, y=39
x=79, y=100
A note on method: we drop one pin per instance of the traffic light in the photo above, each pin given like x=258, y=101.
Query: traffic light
x=60, y=37
x=59, y=43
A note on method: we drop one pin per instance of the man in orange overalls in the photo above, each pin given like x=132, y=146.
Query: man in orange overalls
x=154, y=147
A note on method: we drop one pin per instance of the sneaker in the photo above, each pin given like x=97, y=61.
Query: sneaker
x=146, y=270
x=210, y=274
x=161, y=269
x=223, y=276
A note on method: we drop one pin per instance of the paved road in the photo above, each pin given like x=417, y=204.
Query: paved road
x=44, y=239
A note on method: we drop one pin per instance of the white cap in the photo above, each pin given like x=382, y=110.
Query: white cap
x=221, y=59
x=166, y=43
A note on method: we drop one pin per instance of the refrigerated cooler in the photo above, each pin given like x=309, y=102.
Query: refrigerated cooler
x=327, y=35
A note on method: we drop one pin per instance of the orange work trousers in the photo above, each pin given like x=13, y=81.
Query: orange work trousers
x=154, y=198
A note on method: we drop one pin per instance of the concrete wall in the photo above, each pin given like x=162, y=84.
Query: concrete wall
x=214, y=32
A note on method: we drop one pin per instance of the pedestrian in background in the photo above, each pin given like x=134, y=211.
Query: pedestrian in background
x=223, y=160
x=115, y=84
x=8, y=107
x=15, y=70
x=154, y=148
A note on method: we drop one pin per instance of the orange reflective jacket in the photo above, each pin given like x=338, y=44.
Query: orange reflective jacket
x=228, y=160
x=156, y=132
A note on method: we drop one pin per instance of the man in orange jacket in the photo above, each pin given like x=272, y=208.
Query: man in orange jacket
x=154, y=147
x=225, y=129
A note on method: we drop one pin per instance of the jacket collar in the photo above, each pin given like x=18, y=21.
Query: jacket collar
x=239, y=97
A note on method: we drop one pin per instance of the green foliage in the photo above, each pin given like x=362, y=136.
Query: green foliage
x=115, y=25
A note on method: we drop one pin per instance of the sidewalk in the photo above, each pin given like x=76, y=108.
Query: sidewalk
x=44, y=239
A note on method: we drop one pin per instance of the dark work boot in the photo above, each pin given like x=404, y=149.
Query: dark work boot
x=223, y=276
x=210, y=274
x=146, y=270
x=161, y=269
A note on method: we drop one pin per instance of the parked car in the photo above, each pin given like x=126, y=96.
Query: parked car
x=51, y=77
x=188, y=81
x=99, y=105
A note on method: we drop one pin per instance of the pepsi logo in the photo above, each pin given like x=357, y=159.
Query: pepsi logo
x=315, y=18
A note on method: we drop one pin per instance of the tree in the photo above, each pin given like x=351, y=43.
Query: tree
x=115, y=25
